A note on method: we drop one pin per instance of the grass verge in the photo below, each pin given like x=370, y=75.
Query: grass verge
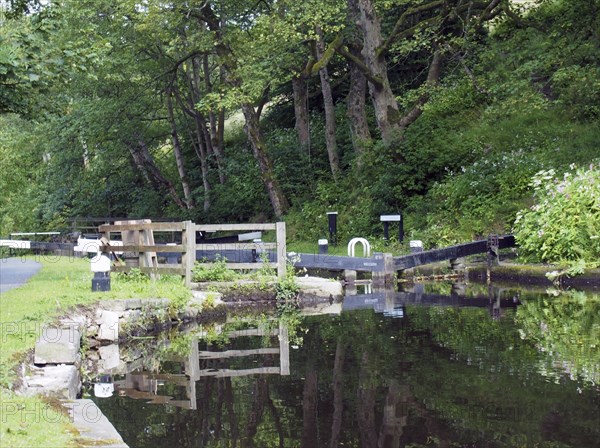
x=61, y=284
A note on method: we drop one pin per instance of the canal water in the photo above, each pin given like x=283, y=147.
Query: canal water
x=439, y=365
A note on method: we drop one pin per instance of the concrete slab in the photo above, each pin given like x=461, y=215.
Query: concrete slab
x=320, y=287
x=62, y=382
x=110, y=357
x=58, y=345
x=93, y=426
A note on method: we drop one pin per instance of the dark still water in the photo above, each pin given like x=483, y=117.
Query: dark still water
x=390, y=370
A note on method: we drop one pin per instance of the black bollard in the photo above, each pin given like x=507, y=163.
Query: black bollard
x=332, y=221
x=101, y=282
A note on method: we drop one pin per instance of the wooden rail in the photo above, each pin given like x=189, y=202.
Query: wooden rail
x=140, y=245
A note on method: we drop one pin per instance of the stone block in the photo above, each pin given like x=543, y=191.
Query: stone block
x=134, y=304
x=108, y=322
x=110, y=357
x=156, y=303
x=114, y=305
x=78, y=321
x=58, y=345
x=62, y=382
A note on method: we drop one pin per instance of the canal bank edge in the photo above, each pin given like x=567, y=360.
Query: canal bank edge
x=54, y=368
x=508, y=273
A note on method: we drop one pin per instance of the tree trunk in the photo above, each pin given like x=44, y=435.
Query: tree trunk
x=251, y=126
x=187, y=191
x=252, y=130
x=309, y=410
x=198, y=141
x=395, y=415
x=330, y=140
x=216, y=134
x=276, y=418
x=384, y=101
x=200, y=150
x=366, y=404
x=145, y=163
x=257, y=411
x=230, y=405
x=301, y=111
x=356, y=99
x=433, y=77
x=338, y=394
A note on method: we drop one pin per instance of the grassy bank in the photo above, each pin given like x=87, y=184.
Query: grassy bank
x=61, y=284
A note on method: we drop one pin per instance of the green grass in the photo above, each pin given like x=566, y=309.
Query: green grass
x=61, y=284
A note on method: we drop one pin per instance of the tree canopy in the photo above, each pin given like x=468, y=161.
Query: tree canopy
x=441, y=109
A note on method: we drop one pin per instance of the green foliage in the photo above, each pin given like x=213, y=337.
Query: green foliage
x=217, y=271
x=513, y=99
x=287, y=289
x=564, y=223
x=568, y=328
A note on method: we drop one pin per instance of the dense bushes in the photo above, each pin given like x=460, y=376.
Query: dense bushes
x=564, y=223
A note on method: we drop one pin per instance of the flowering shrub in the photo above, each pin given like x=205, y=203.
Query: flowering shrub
x=564, y=224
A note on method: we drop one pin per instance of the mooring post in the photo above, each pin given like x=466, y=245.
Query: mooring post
x=323, y=246
x=387, y=275
x=457, y=264
x=332, y=222
x=350, y=276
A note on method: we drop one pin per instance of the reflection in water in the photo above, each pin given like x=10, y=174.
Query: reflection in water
x=186, y=370
x=393, y=303
x=394, y=369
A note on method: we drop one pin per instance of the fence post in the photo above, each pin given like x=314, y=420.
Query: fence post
x=281, y=250
x=188, y=241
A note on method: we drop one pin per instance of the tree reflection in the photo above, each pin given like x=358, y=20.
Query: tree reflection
x=439, y=376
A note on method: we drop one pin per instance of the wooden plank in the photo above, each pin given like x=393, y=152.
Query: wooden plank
x=175, y=269
x=447, y=253
x=235, y=246
x=175, y=378
x=238, y=353
x=148, y=258
x=143, y=248
x=232, y=227
x=189, y=256
x=227, y=373
x=155, y=226
x=340, y=263
x=281, y=251
x=243, y=265
x=251, y=332
x=284, y=350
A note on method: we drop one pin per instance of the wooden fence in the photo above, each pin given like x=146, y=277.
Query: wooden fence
x=138, y=245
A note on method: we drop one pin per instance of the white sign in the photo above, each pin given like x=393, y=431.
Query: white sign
x=104, y=390
x=390, y=218
x=16, y=244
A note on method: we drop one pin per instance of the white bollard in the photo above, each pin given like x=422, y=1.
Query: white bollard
x=100, y=266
